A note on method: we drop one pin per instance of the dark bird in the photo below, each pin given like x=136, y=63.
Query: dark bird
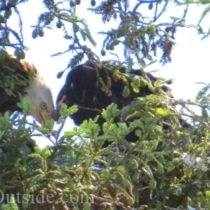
x=21, y=80
x=94, y=85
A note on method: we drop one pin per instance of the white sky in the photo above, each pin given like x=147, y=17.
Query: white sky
x=190, y=58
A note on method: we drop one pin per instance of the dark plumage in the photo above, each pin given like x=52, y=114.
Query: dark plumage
x=93, y=86
x=19, y=79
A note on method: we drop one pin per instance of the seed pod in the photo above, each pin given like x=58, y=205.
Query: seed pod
x=168, y=29
x=75, y=28
x=150, y=6
x=60, y=74
x=34, y=34
x=72, y=3
x=59, y=24
x=7, y=13
x=111, y=47
x=78, y=2
x=93, y=3
x=103, y=52
x=41, y=32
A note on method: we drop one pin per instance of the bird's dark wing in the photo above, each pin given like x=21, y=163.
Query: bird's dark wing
x=93, y=86
x=81, y=88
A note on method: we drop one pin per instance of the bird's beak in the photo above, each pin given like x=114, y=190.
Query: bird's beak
x=46, y=119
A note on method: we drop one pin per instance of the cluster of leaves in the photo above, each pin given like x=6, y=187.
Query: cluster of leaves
x=15, y=144
x=96, y=167
x=7, y=73
x=166, y=167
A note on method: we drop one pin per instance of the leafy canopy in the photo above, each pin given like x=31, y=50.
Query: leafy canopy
x=166, y=167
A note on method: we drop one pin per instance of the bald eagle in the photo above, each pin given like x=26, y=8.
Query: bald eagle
x=21, y=80
x=92, y=86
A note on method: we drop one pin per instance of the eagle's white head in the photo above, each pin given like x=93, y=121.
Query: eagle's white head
x=39, y=96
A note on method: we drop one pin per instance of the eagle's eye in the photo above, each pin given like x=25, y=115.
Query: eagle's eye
x=43, y=106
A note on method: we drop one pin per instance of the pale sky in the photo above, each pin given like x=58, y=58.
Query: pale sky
x=190, y=57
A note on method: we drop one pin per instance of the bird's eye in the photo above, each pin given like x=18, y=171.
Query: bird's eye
x=43, y=106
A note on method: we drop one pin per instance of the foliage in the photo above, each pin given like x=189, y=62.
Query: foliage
x=166, y=167
x=168, y=164
x=7, y=73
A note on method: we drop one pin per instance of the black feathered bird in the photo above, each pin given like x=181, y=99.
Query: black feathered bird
x=19, y=79
x=94, y=85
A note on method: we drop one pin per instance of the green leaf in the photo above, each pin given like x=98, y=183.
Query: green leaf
x=25, y=104
x=207, y=193
x=86, y=206
x=65, y=111
x=12, y=204
x=152, y=184
x=163, y=112
x=135, y=84
x=110, y=112
x=70, y=134
x=126, y=92
x=88, y=34
x=46, y=152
